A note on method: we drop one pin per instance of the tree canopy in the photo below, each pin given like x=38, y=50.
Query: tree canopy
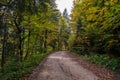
x=97, y=25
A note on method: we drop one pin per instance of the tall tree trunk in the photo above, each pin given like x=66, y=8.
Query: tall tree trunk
x=20, y=38
x=4, y=42
x=59, y=39
x=3, y=49
x=28, y=43
x=34, y=48
x=45, y=41
x=58, y=47
x=20, y=47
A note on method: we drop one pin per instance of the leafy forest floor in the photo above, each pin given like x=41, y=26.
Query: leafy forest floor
x=65, y=66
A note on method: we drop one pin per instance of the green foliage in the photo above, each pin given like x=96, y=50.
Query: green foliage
x=97, y=25
x=27, y=28
x=16, y=70
x=105, y=61
x=63, y=33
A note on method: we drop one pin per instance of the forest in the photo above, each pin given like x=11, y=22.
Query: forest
x=29, y=30
x=97, y=31
x=32, y=29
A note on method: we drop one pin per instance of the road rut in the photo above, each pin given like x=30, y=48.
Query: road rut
x=59, y=66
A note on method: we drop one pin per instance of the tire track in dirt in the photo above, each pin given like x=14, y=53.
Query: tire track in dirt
x=60, y=66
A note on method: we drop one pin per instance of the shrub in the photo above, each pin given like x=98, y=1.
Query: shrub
x=105, y=61
x=16, y=70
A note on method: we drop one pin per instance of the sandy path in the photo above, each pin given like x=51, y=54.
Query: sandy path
x=59, y=66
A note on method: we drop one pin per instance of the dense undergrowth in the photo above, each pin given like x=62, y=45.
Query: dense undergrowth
x=97, y=37
x=103, y=61
x=16, y=70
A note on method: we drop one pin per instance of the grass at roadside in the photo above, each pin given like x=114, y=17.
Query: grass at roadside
x=103, y=61
x=16, y=70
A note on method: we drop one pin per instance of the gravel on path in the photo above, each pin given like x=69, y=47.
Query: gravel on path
x=61, y=66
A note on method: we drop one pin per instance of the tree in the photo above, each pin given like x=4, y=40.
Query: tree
x=26, y=28
x=95, y=28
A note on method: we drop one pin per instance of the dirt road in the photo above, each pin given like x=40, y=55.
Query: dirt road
x=59, y=66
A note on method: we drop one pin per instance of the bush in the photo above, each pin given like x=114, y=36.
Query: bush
x=16, y=70
x=105, y=61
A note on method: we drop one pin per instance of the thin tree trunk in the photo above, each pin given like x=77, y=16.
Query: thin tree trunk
x=20, y=47
x=27, y=53
x=20, y=39
x=4, y=27
x=4, y=45
x=33, y=49
x=3, y=50
x=45, y=41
